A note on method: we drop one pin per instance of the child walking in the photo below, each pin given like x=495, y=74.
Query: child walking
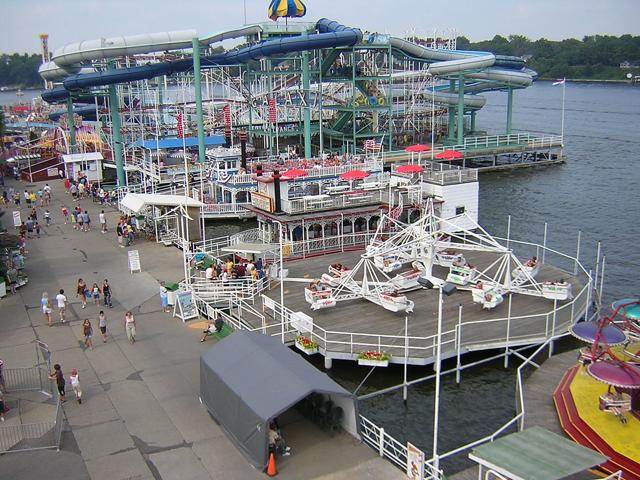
x=74, y=378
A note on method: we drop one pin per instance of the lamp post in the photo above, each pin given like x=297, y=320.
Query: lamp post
x=446, y=289
x=281, y=274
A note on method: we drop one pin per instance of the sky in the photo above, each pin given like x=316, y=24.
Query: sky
x=69, y=21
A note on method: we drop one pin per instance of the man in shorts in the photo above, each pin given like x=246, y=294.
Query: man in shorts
x=62, y=304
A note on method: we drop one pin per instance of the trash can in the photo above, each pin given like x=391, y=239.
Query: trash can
x=172, y=288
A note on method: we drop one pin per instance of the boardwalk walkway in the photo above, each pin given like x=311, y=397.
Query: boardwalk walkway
x=140, y=417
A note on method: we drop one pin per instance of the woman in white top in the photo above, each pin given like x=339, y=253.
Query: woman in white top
x=46, y=308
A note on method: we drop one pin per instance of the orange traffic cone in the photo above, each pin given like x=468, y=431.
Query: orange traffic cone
x=271, y=466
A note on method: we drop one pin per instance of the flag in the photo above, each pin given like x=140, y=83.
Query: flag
x=273, y=113
x=372, y=146
x=559, y=82
x=180, y=126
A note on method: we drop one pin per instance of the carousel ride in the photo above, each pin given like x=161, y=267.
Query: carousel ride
x=428, y=242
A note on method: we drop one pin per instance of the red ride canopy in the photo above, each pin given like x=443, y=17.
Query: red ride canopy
x=354, y=175
x=294, y=173
x=417, y=148
x=449, y=155
x=411, y=168
x=618, y=374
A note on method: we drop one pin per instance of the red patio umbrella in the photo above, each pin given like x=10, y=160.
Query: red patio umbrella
x=294, y=173
x=449, y=155
x=354, y=175
x=410, y=168
x=417, y=148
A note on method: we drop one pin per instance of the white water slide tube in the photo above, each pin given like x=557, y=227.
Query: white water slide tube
x=450, y=61
x=445, y=61
x=105, y=48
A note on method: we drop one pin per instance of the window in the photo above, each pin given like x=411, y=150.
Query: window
x=460, y=210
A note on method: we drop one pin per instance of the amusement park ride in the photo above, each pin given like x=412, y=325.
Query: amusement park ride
x=428, y=242
x=621, y=326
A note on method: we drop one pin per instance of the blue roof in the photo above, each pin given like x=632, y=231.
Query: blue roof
x=166, y=143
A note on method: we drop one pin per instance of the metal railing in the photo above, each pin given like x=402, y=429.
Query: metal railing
x=27, y=380
x=226, y=209
x=391, y=449
x=332, y=202
x=31, y=436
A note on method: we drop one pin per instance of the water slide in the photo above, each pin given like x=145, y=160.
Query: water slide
x=501, y=68
x=332, y=34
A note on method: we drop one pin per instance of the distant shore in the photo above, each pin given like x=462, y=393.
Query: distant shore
x=588, y=80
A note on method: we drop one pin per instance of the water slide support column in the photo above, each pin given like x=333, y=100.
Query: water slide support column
x=71, y=124
x=452, y=113
x=114, y=108
x=460, y=139
x=509, y=109
x=197, y=81
x=307, y=104
x=473, y=121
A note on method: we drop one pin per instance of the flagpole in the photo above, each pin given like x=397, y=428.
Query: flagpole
x=564, y=84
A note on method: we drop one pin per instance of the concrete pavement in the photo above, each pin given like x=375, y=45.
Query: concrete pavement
x=140, y=417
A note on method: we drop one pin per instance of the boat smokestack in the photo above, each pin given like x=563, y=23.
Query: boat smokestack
x=243, y=149
x=276, y=190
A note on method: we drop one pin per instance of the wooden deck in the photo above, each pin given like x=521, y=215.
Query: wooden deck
x=358, y=325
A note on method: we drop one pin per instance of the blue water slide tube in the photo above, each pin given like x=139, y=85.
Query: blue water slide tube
x=332, y=34
x=88, y=112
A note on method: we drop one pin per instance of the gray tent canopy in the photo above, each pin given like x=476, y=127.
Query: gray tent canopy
x=247, y=379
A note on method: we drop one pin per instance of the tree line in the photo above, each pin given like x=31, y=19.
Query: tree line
x=596, y=57
x=20, y=70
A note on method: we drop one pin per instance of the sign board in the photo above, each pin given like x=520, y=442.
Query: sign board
x=415, y=462
x=17, y=221
x=52, y=172
x=185, y=307
x=263, y=202
x=134, y=261
x=302, y=322
x=268, y=303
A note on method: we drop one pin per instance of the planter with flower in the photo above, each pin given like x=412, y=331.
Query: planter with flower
x=306, y=345
x=374, y=359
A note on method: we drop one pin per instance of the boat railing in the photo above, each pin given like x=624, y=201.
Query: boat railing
x=225, y=208
x=330, y=202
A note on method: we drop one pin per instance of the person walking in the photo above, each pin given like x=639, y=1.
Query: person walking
x=130, y=327
x=87, y=331
x=106, y=292
x=65, y=214
x=2, y=407
x=46, y=308
x=47, y=217
x=81, y=291
x=74, y=379
x=103, y=222
x=60, y=382
x=86, y=220
x=95, y=294
x=61, y=300
x=3, y=385
x=102, y=324
x=12, y=277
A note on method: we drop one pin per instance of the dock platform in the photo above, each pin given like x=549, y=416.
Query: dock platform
x=358, y=325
